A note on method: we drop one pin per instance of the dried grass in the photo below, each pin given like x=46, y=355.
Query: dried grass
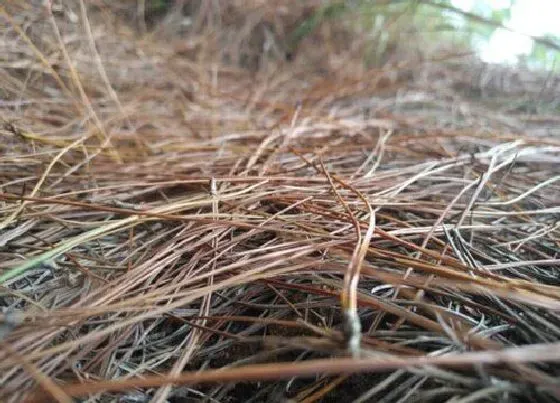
x=176, y=222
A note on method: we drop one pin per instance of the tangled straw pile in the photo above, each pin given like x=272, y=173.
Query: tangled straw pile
x=171, y=216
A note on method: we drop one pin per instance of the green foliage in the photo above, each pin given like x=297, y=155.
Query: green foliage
x=158, y=6
x=501, y=15
x=329, y=11
x=543, y=56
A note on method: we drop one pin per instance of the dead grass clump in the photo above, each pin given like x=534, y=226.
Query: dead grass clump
x=177, y=226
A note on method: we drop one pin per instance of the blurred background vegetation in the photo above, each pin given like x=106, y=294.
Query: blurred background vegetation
x=482, y=26
x=461, y=24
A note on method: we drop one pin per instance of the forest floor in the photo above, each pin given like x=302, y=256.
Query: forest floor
x=193, y=210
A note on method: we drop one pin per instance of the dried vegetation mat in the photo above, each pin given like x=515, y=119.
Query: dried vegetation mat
x=190, y=212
